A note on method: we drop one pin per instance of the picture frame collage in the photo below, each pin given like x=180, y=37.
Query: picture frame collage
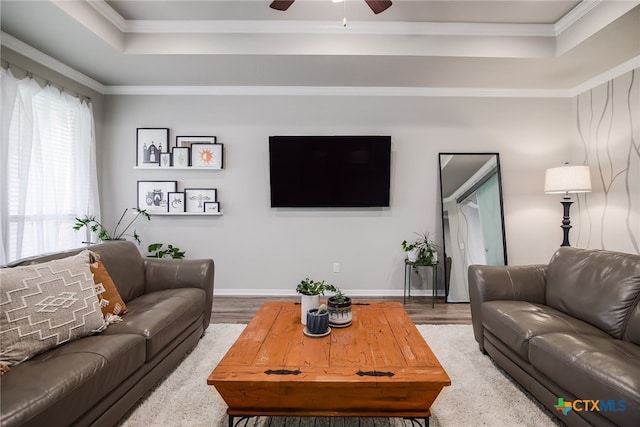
x=199, y=152
x=159, y=196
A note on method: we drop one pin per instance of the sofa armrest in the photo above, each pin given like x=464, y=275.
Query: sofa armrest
x=161, y=274
x=508, y=282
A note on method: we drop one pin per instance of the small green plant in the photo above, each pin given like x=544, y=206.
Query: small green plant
x=310, y=287
x=104, y=234
x=322, y=309
x=339, y=297
x=156, y=250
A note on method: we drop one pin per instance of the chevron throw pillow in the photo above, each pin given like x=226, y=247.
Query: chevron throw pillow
x=45, y=305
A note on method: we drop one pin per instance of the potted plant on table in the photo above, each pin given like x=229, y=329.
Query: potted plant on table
x=340, y=315
x=318, y=321
x=311, y=291
x=421, y=251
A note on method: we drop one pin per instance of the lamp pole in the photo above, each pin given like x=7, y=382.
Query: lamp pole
x=566, y=220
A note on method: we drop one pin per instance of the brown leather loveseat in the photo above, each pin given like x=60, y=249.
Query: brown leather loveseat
x=95, y=380
x=568, y=332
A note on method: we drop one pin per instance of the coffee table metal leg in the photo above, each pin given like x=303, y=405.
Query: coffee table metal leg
x=241, y=419
x=416, y=421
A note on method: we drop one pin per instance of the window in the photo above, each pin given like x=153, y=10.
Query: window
x=48, y=164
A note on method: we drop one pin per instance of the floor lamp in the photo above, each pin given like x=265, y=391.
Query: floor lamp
x=567, y=179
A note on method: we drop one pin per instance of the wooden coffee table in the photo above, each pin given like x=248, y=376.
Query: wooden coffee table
x=380, y=366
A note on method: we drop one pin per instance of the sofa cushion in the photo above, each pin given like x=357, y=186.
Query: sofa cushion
x=592, y=367
x=111, y=302
x=516, y=322
x=58, y=386
x=632, y=330
x=161, y=316
x=596, y=286
x=46, y=305
x=125, y=265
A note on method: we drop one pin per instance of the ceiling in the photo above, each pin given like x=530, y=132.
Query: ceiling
x=546, y=46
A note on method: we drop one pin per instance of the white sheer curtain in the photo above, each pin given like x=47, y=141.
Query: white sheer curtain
x=47, y=168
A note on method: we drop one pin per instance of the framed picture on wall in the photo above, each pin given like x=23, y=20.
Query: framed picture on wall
x=181, y=157
x=195, y=198
x=176, y=202
x=150, y=143
x=188, y=141
x=212, y=207
x=165, y=160
x=206, y=155
x=153, y=196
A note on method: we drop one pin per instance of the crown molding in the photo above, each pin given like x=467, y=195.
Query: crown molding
x=24, y=49
x=27, y=51
x=336, y=91
x=574, y=15
x=109, y=13
x=334, y=27
x=608, y=75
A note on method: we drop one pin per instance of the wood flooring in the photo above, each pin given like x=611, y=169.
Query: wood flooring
x=242, y=309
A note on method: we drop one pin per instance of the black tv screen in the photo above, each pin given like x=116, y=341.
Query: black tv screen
x=330, y=171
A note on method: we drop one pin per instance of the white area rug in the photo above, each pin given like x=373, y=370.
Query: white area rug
x=480, y=394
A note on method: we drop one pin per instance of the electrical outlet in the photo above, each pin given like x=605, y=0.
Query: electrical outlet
x=336, y=267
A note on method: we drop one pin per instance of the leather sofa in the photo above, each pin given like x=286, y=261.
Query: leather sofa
x=95, y=380
x=568, y=330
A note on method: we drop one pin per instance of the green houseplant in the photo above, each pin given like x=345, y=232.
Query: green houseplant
x=310, y=292
x=156, y=250
x=311, y=287
x=104, y=234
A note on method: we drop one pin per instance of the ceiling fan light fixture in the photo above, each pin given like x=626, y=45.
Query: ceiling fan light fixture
x=281, y=4
x=376, y=6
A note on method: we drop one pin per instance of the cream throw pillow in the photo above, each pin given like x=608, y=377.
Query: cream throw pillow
x=45, y=305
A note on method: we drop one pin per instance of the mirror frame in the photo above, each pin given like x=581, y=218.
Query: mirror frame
x=504, y=237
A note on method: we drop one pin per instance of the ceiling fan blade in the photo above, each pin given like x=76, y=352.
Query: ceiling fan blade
x=377, y=6
x=281, y=5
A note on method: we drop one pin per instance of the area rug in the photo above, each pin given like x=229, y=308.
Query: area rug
x=480, y=394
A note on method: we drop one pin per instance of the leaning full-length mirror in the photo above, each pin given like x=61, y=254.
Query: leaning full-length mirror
x=472, y=217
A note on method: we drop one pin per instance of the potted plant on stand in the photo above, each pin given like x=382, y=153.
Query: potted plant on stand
x=421, y=251
x=340, y=315
x=311, y=291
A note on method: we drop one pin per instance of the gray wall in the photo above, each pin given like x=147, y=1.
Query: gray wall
x=260, y=250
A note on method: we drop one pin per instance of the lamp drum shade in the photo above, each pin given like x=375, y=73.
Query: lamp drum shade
x=567, y=179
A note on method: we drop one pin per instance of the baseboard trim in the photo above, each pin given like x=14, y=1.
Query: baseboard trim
x=350, y=292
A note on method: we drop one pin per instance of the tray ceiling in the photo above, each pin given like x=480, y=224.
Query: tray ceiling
x=539, y=45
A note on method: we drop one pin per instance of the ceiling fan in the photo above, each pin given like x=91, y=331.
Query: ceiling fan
x=375, y=5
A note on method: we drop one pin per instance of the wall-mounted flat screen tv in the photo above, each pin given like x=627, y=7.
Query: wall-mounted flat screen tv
x=330, y=171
